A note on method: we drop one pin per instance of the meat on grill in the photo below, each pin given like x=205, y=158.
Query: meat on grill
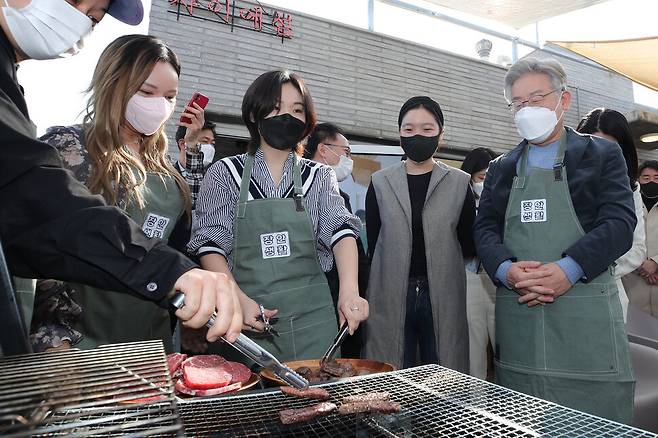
x=329, y=371
x=372, y=406
x=184, y=389
x=205, y=372
x=311, y=393
x=337, y=369
x=367, y=397
x=174, y=361
x=302, y=415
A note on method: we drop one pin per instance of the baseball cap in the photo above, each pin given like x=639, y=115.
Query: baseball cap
x=127, y=11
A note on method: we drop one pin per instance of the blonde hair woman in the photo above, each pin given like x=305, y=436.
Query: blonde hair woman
x=119, y=152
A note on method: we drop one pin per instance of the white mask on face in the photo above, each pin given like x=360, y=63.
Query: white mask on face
x=208, y=153
x=148, y=114
x=47, y=29
x=344, y=168
x=478, y=187
x=536, y=123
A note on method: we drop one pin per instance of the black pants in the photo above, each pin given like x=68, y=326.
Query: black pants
x=419, y=325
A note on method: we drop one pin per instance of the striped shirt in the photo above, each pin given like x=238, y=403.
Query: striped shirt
x=220, y=192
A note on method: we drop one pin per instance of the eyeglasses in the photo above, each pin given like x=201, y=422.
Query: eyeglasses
x=346, y=149
x=534, y=100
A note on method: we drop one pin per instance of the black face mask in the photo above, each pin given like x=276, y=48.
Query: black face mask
x=419, y=148
x=650, y=189
x=282, y=132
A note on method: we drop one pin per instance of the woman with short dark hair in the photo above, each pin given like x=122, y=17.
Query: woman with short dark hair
x=419, y=219
x=275, y=222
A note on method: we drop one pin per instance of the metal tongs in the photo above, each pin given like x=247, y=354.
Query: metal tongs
x=254, y=352
x=338, y=340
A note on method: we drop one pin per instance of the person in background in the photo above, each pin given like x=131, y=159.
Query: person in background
x=419, y=219
x=555, y=214
x=642, y=284
x=196, y=152
x=50, y=224
x=613, y=126
x=480, y=291
x=328, y=145
x=128, y=166
x=275, y=222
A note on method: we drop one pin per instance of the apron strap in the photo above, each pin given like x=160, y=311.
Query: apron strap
x=519, y=181
x=558, y=166
x=244, y=186
x=297, y=180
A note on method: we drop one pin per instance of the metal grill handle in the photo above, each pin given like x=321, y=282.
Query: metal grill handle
x=254, y=351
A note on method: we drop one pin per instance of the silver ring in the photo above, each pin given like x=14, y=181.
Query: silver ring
x=354, y=308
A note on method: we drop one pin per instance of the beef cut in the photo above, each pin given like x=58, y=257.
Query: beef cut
x=205, y=372
x=239, y=372
x=184, y=389
x=367, y=397
x=337, y=369
x=302, y=415
x=311, y=393
x=174, y=361
x=372, y=406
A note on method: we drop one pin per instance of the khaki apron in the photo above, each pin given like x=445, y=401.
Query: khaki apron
x=574, y=351
x=110, y=317
x=276, y=264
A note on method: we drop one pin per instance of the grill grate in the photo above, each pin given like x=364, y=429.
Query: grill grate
x=113, y=390
x=436, y=401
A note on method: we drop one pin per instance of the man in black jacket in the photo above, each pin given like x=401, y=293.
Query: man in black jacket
x=555, y=214
x=50, y=225
x=328, y=145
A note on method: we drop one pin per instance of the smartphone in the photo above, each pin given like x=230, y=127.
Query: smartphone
x=199, y=99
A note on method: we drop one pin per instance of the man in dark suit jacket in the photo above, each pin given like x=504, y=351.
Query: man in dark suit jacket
x=328, y=145
x=555, y=214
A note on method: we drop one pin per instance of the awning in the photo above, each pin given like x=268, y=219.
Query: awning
x=637, y=59
x=516, y=13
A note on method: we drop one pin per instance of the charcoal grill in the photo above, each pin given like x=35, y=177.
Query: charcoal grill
x=436, y=402
x=115, y=390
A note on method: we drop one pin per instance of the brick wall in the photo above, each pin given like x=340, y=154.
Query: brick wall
x=359, y=79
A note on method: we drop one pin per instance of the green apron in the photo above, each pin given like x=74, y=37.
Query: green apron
x=110, y=317
x=573, y=351
x=275, y=263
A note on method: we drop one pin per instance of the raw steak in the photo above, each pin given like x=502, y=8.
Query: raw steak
x=182, y=388
x=367, y=397
x=174, y=361
x=205, y=372
x=292, y=416
x=238, y=371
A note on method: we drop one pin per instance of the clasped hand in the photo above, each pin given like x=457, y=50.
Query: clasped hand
x=537, y=283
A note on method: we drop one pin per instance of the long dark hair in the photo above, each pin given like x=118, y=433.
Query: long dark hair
x=263, y=96
x=614, y=124
x=476, y=160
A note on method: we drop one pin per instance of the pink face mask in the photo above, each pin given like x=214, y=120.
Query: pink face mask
x=148, y=114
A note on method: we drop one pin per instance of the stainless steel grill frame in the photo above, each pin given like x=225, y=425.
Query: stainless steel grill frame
x=436, y=401
x=85, y=393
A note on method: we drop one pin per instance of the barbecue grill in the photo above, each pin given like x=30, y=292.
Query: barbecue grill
x=85, y=393
x=116, y=390
x=436, y=402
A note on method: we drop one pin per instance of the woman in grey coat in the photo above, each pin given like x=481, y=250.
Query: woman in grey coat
x=419, y=217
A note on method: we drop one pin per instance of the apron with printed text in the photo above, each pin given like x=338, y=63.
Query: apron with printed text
x=573, y=351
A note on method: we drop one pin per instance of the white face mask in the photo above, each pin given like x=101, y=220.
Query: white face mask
x=536, y=123
x=478, y=187
x=148, y=114
x=208, y=153
x=344, y=168
x=47, y=29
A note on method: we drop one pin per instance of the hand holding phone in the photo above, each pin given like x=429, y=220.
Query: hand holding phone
x=199, y=99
